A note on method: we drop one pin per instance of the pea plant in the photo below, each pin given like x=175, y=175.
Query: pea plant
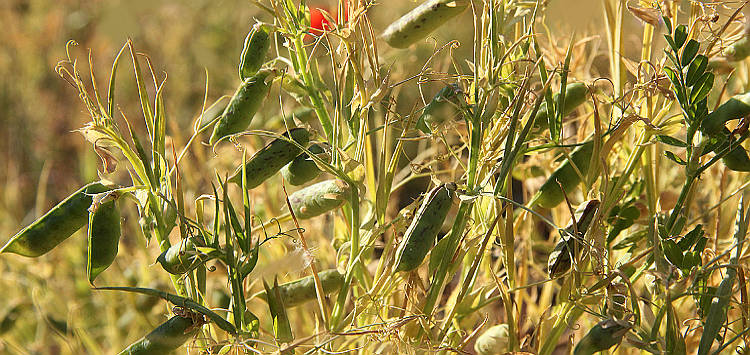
x=522, y=202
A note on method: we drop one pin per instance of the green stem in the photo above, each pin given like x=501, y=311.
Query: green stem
x=310, y=83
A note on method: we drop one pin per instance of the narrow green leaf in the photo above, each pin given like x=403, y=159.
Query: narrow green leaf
x=178, y=301
x=671, y=156
x=671, y=141
x=680, y=35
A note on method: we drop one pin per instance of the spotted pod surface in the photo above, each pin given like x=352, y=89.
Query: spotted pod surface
x=303, y=168
x=167, y=337
x=243, y=105
x=254, y=50
x=442, y=107
x=319, y=198
x=424, y=228
x=300, y=291
x=550, y=194
x=104, y=237
x=561, y=258
x=575, y=95
x=421, y=21
x=602, y=336
x=271, y=158
x=58, y=224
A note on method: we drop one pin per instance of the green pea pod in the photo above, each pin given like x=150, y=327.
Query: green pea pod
x=561, y=258
x=423, y=230
x=180, y=257
x=441, y=108
x=736, y=107
x=493, y=341
x=243, y=105
x=302, y=169
x=271, y=158
x=550, y=194
x=104, y=237
x=56, y=225
x=254, y=50
x=602, y=336
x=300, y=291
x=575, y=95
x=421, y=21
x=167, y=337
x=319, y=198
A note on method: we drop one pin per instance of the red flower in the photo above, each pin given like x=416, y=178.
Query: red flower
x=319, y=23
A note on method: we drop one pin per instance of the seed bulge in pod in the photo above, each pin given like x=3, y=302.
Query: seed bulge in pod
x=271, y=158
x=421, y=234
x=319, y=198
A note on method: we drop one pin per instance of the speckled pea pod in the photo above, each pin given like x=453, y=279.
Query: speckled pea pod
x=421, y=21
x=441, y=108
x=243, y=105
x=493, y=341
x=423, y=230
x=180, y=257
x=167, y=337
x=602, y=336
x=575, y=95
x=301, y=291
x=56, y=225
x=319, y=198
x=254, y=50
x=561, y=258
x=271, y=158
x=550, y=194
x=104, y=237
x=302, y=169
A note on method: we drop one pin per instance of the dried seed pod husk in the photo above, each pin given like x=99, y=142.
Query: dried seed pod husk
x=493, y=341
x=602, y=336
x=319, y=198
x=561, y=258
x=243, y=105
x=271, y=158
x=303, y=168
x=550, y=194
x=58, y=224
x=104, y=238
x=167, y=337
x=575, y=95
x=254, y=50
x=300, y=291
x=421, y=234
x=421, y=21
